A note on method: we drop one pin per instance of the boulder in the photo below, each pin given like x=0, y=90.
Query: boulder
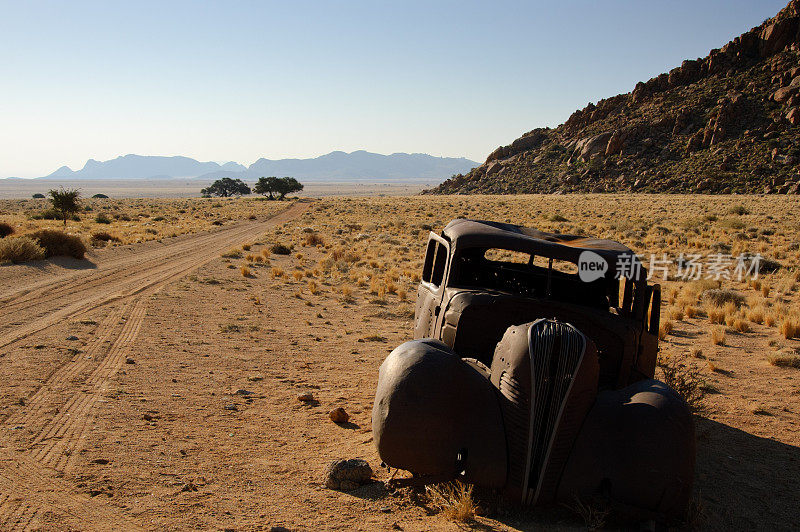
x=615, y=143
x=776, y=36
x=783, y=94
x=793, y=116
x=589, y=146
x=493, y=168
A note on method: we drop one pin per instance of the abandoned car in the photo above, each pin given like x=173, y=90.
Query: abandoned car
x=532, y=372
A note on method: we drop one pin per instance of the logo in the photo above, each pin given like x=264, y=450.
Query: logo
x=591, y=266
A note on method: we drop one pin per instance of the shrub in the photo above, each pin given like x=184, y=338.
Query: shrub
x=102, y=218
x=58, y=243
x=5, y=230
x=65, y=202
x=720, y=297
x=20, y=249
x=38, y=195
x=102, y=236
x=280, y=249
x=313, y=239
x=51, y=214
x=100, y=196
x=785, y=358
x=683, y=377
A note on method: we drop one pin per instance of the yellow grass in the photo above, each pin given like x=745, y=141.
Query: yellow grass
x=139, y=220
x=718, y=335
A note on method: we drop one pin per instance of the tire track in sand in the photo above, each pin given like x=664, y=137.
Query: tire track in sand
x=29, y=488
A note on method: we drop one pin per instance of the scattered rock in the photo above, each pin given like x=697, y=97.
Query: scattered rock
x=338, y=415
x=72, y=338
x=100, y=461
x=231, y=407
x=189, y=486
x=130, y=361
x=346, y=475
x=243, y=392
x=305, y=397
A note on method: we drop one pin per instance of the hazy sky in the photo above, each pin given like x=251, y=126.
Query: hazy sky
x=242, y=80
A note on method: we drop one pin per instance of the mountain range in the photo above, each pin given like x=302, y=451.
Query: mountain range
x=335, y=166
x=725, y=123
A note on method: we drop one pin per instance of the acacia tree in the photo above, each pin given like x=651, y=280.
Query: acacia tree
x=267, y=185
x=226, y=187
x=287, y=185
x=65, y=201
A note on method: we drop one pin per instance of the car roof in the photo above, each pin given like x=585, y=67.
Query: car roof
x=464, y=233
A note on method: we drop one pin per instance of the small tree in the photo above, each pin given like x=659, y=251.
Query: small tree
x=65, y=202
x=287, y=185
x=38, y=195
x=267, y=185
x=226, y=187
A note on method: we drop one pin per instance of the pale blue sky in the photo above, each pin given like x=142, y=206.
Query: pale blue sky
x=242, y=80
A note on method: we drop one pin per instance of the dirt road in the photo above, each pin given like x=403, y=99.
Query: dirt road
x=53, y=421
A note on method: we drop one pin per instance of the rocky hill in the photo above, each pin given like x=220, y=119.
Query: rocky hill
x=725, y=123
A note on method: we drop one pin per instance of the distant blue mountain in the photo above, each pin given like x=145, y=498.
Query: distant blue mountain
x=335, y=166
x=142, y=167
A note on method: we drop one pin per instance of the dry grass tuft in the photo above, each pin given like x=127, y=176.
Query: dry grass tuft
x=789, y=328
x=314, y=239
x=276, y=272
x=718, y=335
x=756, y=315
x=765, y=290
x=785, y=358
x=716, y=315
x=593, y=515
x=20, y=249
x=245, y=271
x=454, y=500
x=664, y=329
x=741, y=325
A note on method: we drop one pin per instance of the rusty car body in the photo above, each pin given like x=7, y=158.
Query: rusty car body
x=531, y=378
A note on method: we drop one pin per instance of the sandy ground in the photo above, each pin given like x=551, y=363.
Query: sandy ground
x=154, y=387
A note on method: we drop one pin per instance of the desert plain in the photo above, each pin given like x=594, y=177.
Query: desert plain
x=154, y=385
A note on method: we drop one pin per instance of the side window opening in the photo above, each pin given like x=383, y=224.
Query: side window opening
x=427, y=269
x=435, y=262
x=439, y=263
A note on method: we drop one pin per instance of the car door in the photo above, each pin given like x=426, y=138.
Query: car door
x=431, y=287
